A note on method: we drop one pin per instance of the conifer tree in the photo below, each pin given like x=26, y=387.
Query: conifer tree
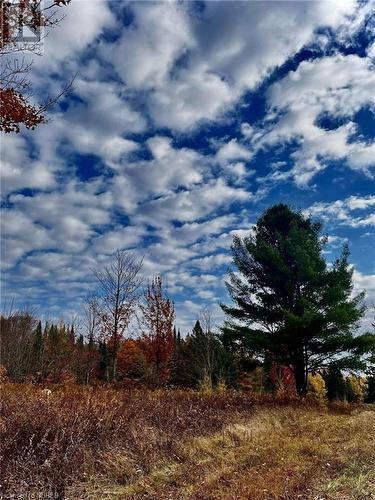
x=206, y=358
x=288, y=303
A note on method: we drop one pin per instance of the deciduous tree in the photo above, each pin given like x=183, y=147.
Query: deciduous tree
x=118, y=295
x=157, y=319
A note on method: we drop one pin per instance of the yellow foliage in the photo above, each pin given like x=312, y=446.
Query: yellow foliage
x=356, y=388
x=221, y=385
x=317, y=387
x=253, y=381
x=205, y=385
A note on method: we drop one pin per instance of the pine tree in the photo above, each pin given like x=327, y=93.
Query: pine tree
x=206, y=359
x=288, y=303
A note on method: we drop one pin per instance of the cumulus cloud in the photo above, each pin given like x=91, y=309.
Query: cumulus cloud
x=61, y=220
x=232, y=150
x=148, y=48
x=82, y=23
x=191, y=205
x=18, y=170
x=337, y=87
x=345, y=212
x=194, y=64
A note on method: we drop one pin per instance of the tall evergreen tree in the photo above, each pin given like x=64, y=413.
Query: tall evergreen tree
x=288, y=303
x=206, y=359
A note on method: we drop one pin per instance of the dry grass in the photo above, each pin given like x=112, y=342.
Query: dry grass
x=282, y=453
x=104, y=443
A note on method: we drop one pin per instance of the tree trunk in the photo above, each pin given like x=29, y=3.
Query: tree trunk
x=300, y=377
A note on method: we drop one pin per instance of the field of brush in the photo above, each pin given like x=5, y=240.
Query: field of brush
x=102, y=443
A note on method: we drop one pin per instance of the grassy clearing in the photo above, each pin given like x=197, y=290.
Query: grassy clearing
x=104, y=444
x=282, y=453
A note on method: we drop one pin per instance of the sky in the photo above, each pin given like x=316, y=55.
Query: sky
x=185, y=122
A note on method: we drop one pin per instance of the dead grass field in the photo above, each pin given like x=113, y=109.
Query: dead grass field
x=86, y=443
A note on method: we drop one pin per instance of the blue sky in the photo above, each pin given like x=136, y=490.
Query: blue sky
x=185, y=122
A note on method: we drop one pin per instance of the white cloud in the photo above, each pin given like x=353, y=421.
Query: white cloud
x=97, y=124
x=18, y=171
x=169, y=169
x=191, y=205
x=118, y=238
x=82, y=23
x=341, y=211
x=366, y=282
x=194, y=65
x=62, y=220
x=195, y=96
x=147, y=49
x=337, y=86
x=212, y=261
x=232, y=150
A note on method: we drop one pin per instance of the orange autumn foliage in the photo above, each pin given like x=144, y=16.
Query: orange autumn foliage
x=131, y=360
x=15, y=110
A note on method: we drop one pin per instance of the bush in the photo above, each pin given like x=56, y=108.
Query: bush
x=317, y=387
x=355, y=388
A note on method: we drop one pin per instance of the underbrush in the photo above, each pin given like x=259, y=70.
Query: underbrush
x=72, y=434
x=50, y=438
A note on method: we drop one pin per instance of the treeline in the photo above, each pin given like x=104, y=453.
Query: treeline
x=54, y=353
x=290, y=328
